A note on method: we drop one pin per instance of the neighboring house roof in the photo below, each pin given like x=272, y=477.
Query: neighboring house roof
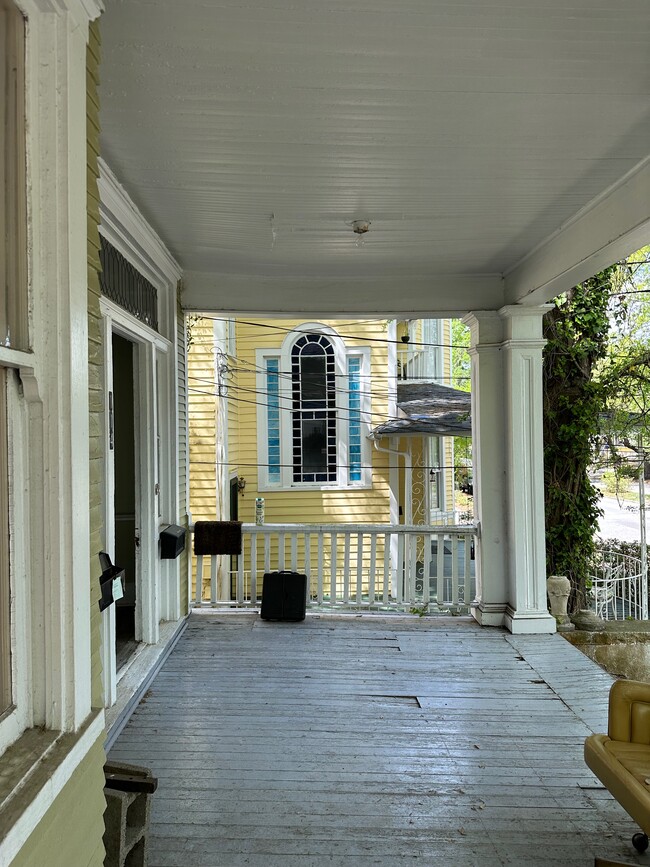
x=427, y=408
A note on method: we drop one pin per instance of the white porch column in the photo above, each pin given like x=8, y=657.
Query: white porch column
x=488, y=449
x=522, y=362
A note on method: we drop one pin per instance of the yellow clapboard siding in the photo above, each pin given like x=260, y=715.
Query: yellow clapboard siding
x=297, y=505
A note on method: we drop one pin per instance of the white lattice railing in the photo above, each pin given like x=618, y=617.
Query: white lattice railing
x=618, y=590
x=348, y=565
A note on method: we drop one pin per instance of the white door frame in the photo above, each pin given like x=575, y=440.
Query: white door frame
x=148, y=346
x=157, y=395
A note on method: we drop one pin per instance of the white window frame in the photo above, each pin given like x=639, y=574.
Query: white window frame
x=18, y=716
x=341, y=355
x=48, y=430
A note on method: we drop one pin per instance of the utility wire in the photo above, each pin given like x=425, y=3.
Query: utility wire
x=301, y=330
x=251, y=368
x=369, y=416
x=338, y=466
x=345, y=392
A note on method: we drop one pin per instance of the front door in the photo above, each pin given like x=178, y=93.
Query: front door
x=125, y=498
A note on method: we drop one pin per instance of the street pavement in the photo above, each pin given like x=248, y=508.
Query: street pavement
x=620, y=521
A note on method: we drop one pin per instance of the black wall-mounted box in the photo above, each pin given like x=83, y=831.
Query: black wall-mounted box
x=172, y=541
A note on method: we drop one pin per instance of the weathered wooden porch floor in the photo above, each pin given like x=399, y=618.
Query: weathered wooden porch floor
x=373, y=741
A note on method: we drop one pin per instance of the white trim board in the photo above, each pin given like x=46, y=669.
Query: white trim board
x=124, y=226
x=130, y=327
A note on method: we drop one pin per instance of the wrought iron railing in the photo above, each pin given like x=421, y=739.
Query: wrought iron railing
x=618, y=588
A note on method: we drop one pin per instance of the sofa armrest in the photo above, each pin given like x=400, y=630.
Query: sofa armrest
x=629, y=712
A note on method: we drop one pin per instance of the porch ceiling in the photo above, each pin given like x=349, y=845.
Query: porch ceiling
x=251, y=134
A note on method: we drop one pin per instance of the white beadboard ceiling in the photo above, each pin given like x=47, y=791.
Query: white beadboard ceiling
x=251, y=133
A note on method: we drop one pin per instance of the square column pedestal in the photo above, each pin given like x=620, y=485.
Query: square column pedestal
x=506, y=352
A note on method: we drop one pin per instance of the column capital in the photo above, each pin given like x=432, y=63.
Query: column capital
x=486, y=327
x=81, y=12
x=523, y=323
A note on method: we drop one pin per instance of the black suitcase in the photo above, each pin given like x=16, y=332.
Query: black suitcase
x=284, y=596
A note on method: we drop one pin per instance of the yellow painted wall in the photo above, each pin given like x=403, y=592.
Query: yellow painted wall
x=70, y=833
x=295, y=505
x=202, y=407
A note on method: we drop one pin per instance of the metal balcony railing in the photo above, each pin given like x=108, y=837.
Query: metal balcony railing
x=618, y=589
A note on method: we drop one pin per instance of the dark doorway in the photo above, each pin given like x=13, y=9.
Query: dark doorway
x=125, y=494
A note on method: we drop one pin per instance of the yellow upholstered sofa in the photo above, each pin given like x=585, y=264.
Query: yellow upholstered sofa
x=621, y=758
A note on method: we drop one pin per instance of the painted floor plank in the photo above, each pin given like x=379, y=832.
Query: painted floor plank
x=373, y=741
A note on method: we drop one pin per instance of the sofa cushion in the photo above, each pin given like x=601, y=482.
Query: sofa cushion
x=635, y=758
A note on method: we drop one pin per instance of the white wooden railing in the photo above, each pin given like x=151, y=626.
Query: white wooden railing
x=417, y=362
x=372, y=566
x=618, y=590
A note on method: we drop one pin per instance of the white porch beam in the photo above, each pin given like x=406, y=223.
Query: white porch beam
x=439, y=296
x=610, y=227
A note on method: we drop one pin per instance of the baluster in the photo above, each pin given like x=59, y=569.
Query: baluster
x=281, y=547
x=454, y=569
x=468, y=582
x=372, y=569
x=333, y=561
x=413, y=565
x=198, y=589
x=308, y=564
x=213, y=579
x=387, y=546
x=440, y=569
x=359, y=567
x=294, y=551
x=240, y=578
x=399, y=594
x=253, y=599
x=426, y=570
x=267, y=552
x=346, y=568
x=321, y=544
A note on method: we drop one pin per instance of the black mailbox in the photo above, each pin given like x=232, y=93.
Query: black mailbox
x=110, y=575
x=172, y=541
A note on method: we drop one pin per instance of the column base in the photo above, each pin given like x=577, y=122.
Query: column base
x=533, y=623
x=489, y=613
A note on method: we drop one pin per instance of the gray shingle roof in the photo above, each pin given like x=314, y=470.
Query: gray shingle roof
x=429, y=409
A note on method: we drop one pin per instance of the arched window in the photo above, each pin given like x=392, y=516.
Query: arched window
x=314, y=420
x=313, y=409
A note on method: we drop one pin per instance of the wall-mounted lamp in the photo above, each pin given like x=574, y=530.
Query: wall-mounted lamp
x=241, y=485
x=433, y=472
